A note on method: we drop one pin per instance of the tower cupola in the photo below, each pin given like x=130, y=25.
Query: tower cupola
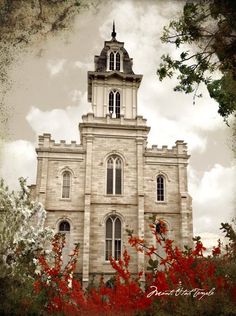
x=113, y=86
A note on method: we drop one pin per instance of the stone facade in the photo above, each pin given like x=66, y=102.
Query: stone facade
x=113, y=129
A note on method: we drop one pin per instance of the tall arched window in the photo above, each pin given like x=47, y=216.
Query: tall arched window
x=117, y=61
x=113, y=238
x=66, y=183
x=114, y=103
x=64, y=227
x=111, y=61
x=111, y=102
x=114, y=61
x=160, y=188
x=114, y=175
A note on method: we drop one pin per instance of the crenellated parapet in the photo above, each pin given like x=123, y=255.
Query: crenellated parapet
x=46, y=143
x=180, y=148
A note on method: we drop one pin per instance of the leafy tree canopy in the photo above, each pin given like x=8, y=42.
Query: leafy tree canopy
x=24, y=22
x=209, y=27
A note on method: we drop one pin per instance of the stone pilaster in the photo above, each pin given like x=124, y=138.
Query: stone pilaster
x=87, y=206
x=140, y=189
x=185, y=199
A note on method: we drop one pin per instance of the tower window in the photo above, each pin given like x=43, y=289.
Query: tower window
x=64, y=226
x=111, y=61
x=66, y=184
x=113, y=238
x=114, y=175
x=114, y=61
x=117, y=61
x=114, y=103
x=160, y=188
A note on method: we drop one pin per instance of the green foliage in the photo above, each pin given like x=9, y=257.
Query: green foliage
x=223, y=91
x=209, y=27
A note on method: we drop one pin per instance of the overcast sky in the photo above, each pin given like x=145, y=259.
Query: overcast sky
x=49, y=94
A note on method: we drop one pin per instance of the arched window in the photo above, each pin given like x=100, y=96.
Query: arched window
x=111, y=61
x=114, y=61
x=66, y=183
x=113, y=238
x=64, y=227
x=114, y=175
x=114, y=103
x=111, y=102
x=160, y=188
x=117, y=61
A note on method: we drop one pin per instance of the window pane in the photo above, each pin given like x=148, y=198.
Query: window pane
x=117, y=249
x=118, y=181
x=66, y=192
x=66, y=185
x=109, y=181
x=108, y=249
x=117, y=228
x=118, y=163
x=111, y=61
x=110, y=163
x=109, y=228
x=117, y=104
x=111, y=102
x=64, y=226
x=160, y=188
x=117, y=61
x=66, y=178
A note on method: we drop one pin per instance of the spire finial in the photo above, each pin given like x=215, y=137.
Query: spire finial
x=113, y=33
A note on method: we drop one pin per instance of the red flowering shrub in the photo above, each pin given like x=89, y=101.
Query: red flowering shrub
x=185, y=282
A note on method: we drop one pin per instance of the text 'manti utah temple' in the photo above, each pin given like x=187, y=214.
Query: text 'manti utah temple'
x=110, y=181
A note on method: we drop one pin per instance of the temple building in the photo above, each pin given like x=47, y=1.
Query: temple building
x=96, y=188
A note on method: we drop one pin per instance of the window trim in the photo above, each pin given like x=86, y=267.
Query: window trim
x=113, y=218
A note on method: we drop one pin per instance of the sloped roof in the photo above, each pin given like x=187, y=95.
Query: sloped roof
x=101, y=60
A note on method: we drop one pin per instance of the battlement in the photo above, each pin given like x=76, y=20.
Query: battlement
x=180, y=148
x=46, y=141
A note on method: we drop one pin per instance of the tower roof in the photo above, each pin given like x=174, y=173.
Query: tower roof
x=113, y=45
x=103, y=69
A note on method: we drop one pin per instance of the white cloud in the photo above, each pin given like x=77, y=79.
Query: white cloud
x=61, y=124
x=166, y=131
x=210, y=240
x=55, y=66
x=83, y=65
x=18, y=159
x=213, y=197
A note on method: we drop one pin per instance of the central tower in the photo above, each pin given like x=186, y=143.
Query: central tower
x=114, y=138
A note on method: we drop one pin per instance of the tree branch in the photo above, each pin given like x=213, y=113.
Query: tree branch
x=61, y=18
x=40, y=9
